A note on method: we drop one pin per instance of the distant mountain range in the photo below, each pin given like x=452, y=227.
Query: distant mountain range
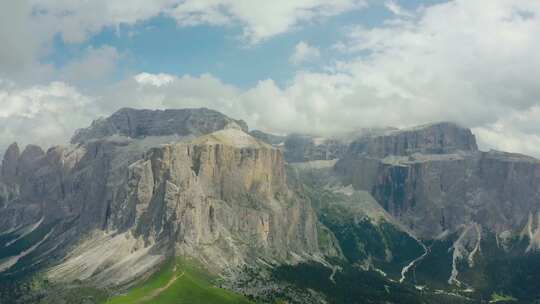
x=165, y=206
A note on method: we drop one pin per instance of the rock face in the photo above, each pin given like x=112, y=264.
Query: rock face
x=440, y=138
x=186, y=182
x=141, y=186
x=469, y=213
x=140, y=123
x=433, y=179
x=272, y=139
x=301, y=148
x=222, y=197
x=16, y=169
x=10, y=163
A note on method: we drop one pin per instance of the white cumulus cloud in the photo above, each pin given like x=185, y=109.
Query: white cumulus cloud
x=303, y=52
x=42, y=114
x=396, y=9
x=156, y=80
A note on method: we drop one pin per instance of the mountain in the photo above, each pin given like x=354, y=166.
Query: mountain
x=147, y=202
x=461, y=218
x=142, y=123
x=434, y=180
x=135, y=196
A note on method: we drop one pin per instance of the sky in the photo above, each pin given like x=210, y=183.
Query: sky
x=308, y=66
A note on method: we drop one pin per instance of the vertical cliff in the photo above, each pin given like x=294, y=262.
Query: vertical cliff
x=222, y=197
x=439, y=138
x=141, y=186
x=434, y=180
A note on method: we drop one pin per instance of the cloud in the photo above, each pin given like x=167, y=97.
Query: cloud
x=22, y=42
x=260, y=19
x=28, y=27
x=315, y=103
x=156, y=80
x=42, y=114
x=26, y=35
x=518, y=131
x=94, y=65
x=159, y=91
x=303, y=52
x=76, y=21
x=396, y=9
x=472, y=62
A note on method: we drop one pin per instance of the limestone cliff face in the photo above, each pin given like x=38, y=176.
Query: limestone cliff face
x=141, y=123
x=437, y=195
x=441, y=183
x=301, y=148
x=437, y=138
x=10, y=163
x=20, y=184
x=298, y=148
x=127, y=198
x=222, y=198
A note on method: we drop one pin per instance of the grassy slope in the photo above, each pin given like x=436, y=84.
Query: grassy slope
x=192, y=286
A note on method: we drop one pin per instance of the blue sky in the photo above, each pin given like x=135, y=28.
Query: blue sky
x=159, y=45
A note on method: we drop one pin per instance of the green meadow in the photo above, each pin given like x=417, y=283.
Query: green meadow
x=178, y=282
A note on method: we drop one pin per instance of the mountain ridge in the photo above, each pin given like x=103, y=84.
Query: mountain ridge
x=141, y=186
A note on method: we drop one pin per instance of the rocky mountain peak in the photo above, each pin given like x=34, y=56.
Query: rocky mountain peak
x=139, y=123
x=29, y=155
x=10, y=162
x=16, y=163
x=436, y=138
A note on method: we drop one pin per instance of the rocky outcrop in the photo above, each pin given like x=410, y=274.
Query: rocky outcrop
x=272, y=139
x=10, y=163
x=29, y=156
x=140, y=123
x=440, y=138
x=111, y=203
x=16, y=168
x=434, y=180
x=301, y=148
x=222, y=197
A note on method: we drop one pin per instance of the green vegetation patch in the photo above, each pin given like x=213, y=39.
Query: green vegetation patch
x=500, y=298
x=179, y=281
x=351, y=285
